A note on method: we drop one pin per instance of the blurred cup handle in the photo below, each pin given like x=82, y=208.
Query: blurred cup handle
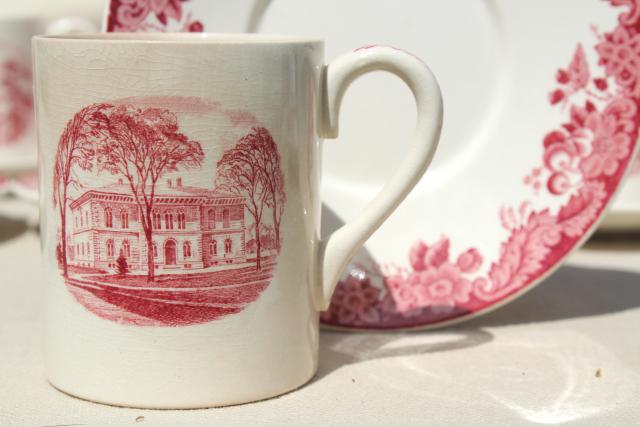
x=70, y=25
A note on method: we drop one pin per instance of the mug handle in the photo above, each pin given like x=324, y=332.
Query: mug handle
x=336, y=251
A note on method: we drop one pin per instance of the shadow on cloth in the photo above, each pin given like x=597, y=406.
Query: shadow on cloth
x=571, y=292
x=338, y=349
x=10, y=229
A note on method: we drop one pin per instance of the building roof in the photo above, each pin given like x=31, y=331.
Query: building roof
x=162, y=190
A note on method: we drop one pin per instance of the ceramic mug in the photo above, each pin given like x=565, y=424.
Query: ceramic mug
x=180, y=209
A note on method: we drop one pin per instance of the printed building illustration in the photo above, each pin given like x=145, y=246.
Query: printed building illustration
x=193, y=228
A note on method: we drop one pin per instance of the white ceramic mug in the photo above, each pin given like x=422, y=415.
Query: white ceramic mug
x=180, y=209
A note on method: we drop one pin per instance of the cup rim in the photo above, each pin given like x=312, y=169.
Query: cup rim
x=180, y=38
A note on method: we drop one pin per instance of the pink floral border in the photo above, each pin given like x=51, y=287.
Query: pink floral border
x=583, y=161
x=151, y=16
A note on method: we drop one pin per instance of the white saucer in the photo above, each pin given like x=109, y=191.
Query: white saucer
x=480, y=235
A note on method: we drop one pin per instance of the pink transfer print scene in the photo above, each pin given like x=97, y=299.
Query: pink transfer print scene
x=157, y=227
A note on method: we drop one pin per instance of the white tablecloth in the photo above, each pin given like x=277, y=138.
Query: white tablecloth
x=566, y=353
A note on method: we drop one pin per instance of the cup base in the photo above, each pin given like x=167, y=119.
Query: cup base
x=204, y=405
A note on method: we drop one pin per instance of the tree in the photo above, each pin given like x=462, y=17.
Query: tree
x=143, y=145
x=238, y=172
x=59, y=256
x=122, y=265
x=75, y=150
x=268, y=161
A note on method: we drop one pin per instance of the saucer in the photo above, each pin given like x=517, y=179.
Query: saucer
x=539, y=132
x=535, y=142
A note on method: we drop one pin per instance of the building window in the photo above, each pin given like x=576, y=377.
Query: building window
x=126, y=249
x=213, y=248
x=181, y=220
x=228, y=244
x=81, y=224
x=88, y=249
x=168, y=220
x=155, y=250
x=225, y=218
x=86, y=218
x=77, y=221
x=156, y=220
x=82, y=248
x=186, y=249
x=211, y=217
x=124, y=218
x=110, y=250
x=108, y=217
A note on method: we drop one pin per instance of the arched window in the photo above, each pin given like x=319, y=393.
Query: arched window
x=225, y=218
x=228, y=244
x=126, y=248
x=168, y=220
x=186, y=249
x=86, y=218
x=156, y=220
x=211, y=218
x=181, y=220
x=155, y=250
x=213, y=248
x=80, y=215
x=110, y=250
x=108, y=217
x=124, y=218
x=82, y=248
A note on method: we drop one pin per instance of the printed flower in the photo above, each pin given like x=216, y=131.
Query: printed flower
x=402, y=295
x=563, y=151
x=620, y=54
x=354, y=301
x=440, y=288
x=469, y=261
x=132, y=13
x=422, y=257
x=610, y=145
